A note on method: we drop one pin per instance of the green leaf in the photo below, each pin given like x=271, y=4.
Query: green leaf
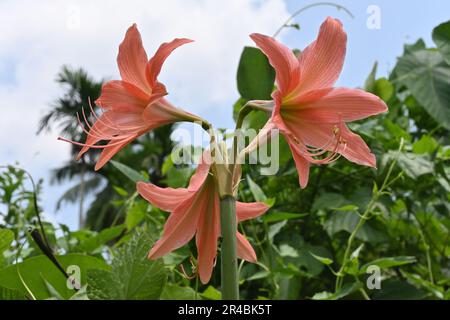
x=347, y=221
x=177, y=177
x=212, y=293
x=120, y=191
x=343, y=292
x=259, y=275
x=52, y=291
x=103, y=285
x=441, y=36
x=413, y=165
x=132, y=277
x=369, y=84
x=132, y=174
x=426, y=144
x=256, y=190
x=353, y=265
x=348, y=207
x=280, y=216
x=384, y=89
x=416, y=279
x=288, y=251
x=11, y=294
x=427, y=76
x=135, y=215
x=35, y=269
x=80, y=294
x=175, y=292
x=417, y=46
x=106, y=235
x=6, y=237
x=393, y=289
x=385, y=263
x=274, y=229
x=255, y=76
x=325, y=261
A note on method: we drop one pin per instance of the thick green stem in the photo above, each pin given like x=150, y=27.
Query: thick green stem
x=230, y=281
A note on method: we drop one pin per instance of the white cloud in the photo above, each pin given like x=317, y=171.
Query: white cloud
x=42, y=35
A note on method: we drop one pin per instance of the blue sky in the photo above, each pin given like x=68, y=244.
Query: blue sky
x=43, y=35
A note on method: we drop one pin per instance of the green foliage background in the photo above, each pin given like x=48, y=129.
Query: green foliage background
x=300, y=242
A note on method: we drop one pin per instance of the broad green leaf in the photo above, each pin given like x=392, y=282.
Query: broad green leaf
x=441, y=36
x=212, y=293
x=343, y=292
x=426, y=144
x=396, y=131
x=176, y=292
x=6, y=237
x=34, y=269
x=255, y=76
x=427, y=77
x=52, y=291
x=80, y=294
x=130, y=173
x=178, y=177
x=384, y=89
x=106, y=235
x=347, y=221
x=135, y=215
x=305, y=264
x=412, y=164
x=132, y=277
x=385, y=263
x=280, y=216
x=328, y=200
x=416, y=279
x=417, y=46
x=393, y=289
x=103, y=285
x=11, y=294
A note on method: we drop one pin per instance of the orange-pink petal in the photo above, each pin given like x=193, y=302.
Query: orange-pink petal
x=301, y=164
x=246, y=211
x=109, y=152
x=201, y=173
x=208, y=231
x=282, y=60
x=166, y=199
x=322, y=61
x=337, y=105
x=154, y=65
x=245, y=250
x=132, y=60
x=357, y=150
x=122, y=96
x=180, y=227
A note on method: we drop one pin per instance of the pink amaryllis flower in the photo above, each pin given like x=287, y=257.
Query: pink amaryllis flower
x=195, y=211
x=134, y=105
x=308, y=111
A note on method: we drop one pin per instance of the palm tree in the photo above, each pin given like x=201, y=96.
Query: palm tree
x=80, y=88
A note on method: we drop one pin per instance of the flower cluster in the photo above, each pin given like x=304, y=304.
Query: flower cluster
x=308, y=111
